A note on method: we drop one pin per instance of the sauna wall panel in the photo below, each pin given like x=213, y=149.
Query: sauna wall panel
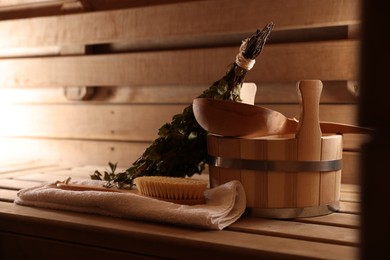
x=144, y=61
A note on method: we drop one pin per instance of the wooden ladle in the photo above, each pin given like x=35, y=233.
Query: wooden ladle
x=229, y=118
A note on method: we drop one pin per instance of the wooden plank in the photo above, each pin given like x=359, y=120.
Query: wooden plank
x=118, y=122
x=74, y=151
x=334, y=60
x=8, y=195
x=14, y=184
x=350, y=197
x=267, y=93
x=23, y=166
x=349, y=207
x=124, y=25
x=29, y=52
x=354, y=142
x=311, y=62
x=125, y=235
x=350, y=188
x=296, y=230
x=31, y=8
x=107, y=122
x=23, y=3
x=351, y=168
x=334, y=219
x=51, y=177
x=80, y=172
x=122, y=4
x=87, y=169
x=11, y=165
x=335, y=113
x=47, y=168
x=286, y=92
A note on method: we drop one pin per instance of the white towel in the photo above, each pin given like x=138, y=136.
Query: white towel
x=224, y=204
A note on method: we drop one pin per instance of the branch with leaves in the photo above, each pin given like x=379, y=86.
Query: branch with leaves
x=181, y=147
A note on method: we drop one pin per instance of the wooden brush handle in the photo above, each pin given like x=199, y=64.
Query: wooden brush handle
x=78, y=187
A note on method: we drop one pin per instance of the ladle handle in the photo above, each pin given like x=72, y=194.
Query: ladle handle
x=308, y=130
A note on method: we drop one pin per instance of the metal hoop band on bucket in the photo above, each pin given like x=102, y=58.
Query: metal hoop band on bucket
x=275, y=165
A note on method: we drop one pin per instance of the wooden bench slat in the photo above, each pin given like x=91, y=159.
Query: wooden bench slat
x=334, y=219
x=349, y=207
x=51, y=177
x=76, y=174
x=126, y=234
x=17, y=165
x=44, y=168
x=15, y=184
x=333, y=60
x=350, y=197
x=7, y=195
x=22, y=167
x=134, y=24
x=350, y=188
x=304, y=231
x=88, y=168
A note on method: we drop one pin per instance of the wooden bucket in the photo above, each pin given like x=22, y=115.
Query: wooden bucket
x=284, y=176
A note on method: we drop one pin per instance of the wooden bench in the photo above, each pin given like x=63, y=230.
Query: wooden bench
x=27, y=232
x=83, y=83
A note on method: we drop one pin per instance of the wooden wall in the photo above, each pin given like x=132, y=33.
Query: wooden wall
x=89, y=82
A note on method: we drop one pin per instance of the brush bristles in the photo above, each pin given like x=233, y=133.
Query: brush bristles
x=179, y=190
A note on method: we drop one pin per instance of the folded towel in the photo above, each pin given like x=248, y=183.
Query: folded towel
x=224, y=204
